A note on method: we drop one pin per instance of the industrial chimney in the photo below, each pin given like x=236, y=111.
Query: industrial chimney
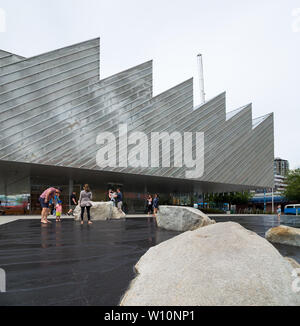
x=201, y=79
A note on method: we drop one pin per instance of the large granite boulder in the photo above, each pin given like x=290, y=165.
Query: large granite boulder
x=100, y=211
x=220, y=264
x=293, y=262
x=178, y=218
x=284, y=234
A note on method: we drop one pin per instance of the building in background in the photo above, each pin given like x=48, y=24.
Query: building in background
x=281, y=167
x=279, y=183
x=263, y=199
x=53, y=107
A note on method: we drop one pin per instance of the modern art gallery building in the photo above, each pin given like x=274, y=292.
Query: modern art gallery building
x=54, y=106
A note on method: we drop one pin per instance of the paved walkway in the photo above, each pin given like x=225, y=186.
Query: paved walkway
x=9, y=219
x=237, y=215
x=69, y=264
x=5, y=220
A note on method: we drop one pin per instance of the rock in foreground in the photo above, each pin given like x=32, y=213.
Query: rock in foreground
x=293, y=262
x=221, y=264
x=100, y=211
x=178, y=218
x=284, y=235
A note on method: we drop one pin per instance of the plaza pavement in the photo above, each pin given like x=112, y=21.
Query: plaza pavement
x=12, y=218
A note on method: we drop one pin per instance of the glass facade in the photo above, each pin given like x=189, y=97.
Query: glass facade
x=21, y=184
x=14, y=191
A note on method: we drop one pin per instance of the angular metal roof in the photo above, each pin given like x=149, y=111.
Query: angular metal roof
x=53, y=106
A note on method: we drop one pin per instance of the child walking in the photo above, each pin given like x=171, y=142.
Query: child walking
x=58, y=208
x=278, y=213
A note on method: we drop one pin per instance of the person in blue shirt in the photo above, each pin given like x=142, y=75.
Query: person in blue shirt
x=119, y=200
x=279, y=213
x=52, y=205
x=155, y=204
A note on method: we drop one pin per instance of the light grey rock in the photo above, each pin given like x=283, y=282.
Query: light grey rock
x=220, y=264
x=293, y=262
x=100, y=211
x=285, y=235
x=178, y=218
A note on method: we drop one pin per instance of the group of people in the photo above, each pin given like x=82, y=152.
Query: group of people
x=51, y=203
x=116, y=197
x=50, y=196
x=152, y=204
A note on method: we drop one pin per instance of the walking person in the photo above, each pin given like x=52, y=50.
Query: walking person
x=279, y=213
x=58, y=208
x=149, y=205
x=155, y=207
x=73, y=204
x=155, y=204
x=85, y=202
x=119, y=200
x=44, y=200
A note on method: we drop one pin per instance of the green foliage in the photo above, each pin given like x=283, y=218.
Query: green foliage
x=292, y=191
x=241, y=198
x=232, y=198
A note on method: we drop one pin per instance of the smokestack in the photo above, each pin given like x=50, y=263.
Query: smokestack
x=201, y=79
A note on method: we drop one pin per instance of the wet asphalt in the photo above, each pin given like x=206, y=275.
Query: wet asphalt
x=68, y=264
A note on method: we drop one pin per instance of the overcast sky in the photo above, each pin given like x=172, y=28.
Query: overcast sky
x=251, y=49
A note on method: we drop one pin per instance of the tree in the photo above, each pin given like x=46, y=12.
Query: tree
x=241, y=198
x=292, y=191
x=232, y=198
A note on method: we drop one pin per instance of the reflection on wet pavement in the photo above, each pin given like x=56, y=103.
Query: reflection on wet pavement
x=70, y=264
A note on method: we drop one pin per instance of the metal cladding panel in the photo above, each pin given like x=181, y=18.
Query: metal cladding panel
x=219, y=140
x=104, y=115
x=247, y=157
x=53, y=106
x=162, y=112
x=221, y=143
x=62, y=131
x=202, y=119
x=7, y=58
